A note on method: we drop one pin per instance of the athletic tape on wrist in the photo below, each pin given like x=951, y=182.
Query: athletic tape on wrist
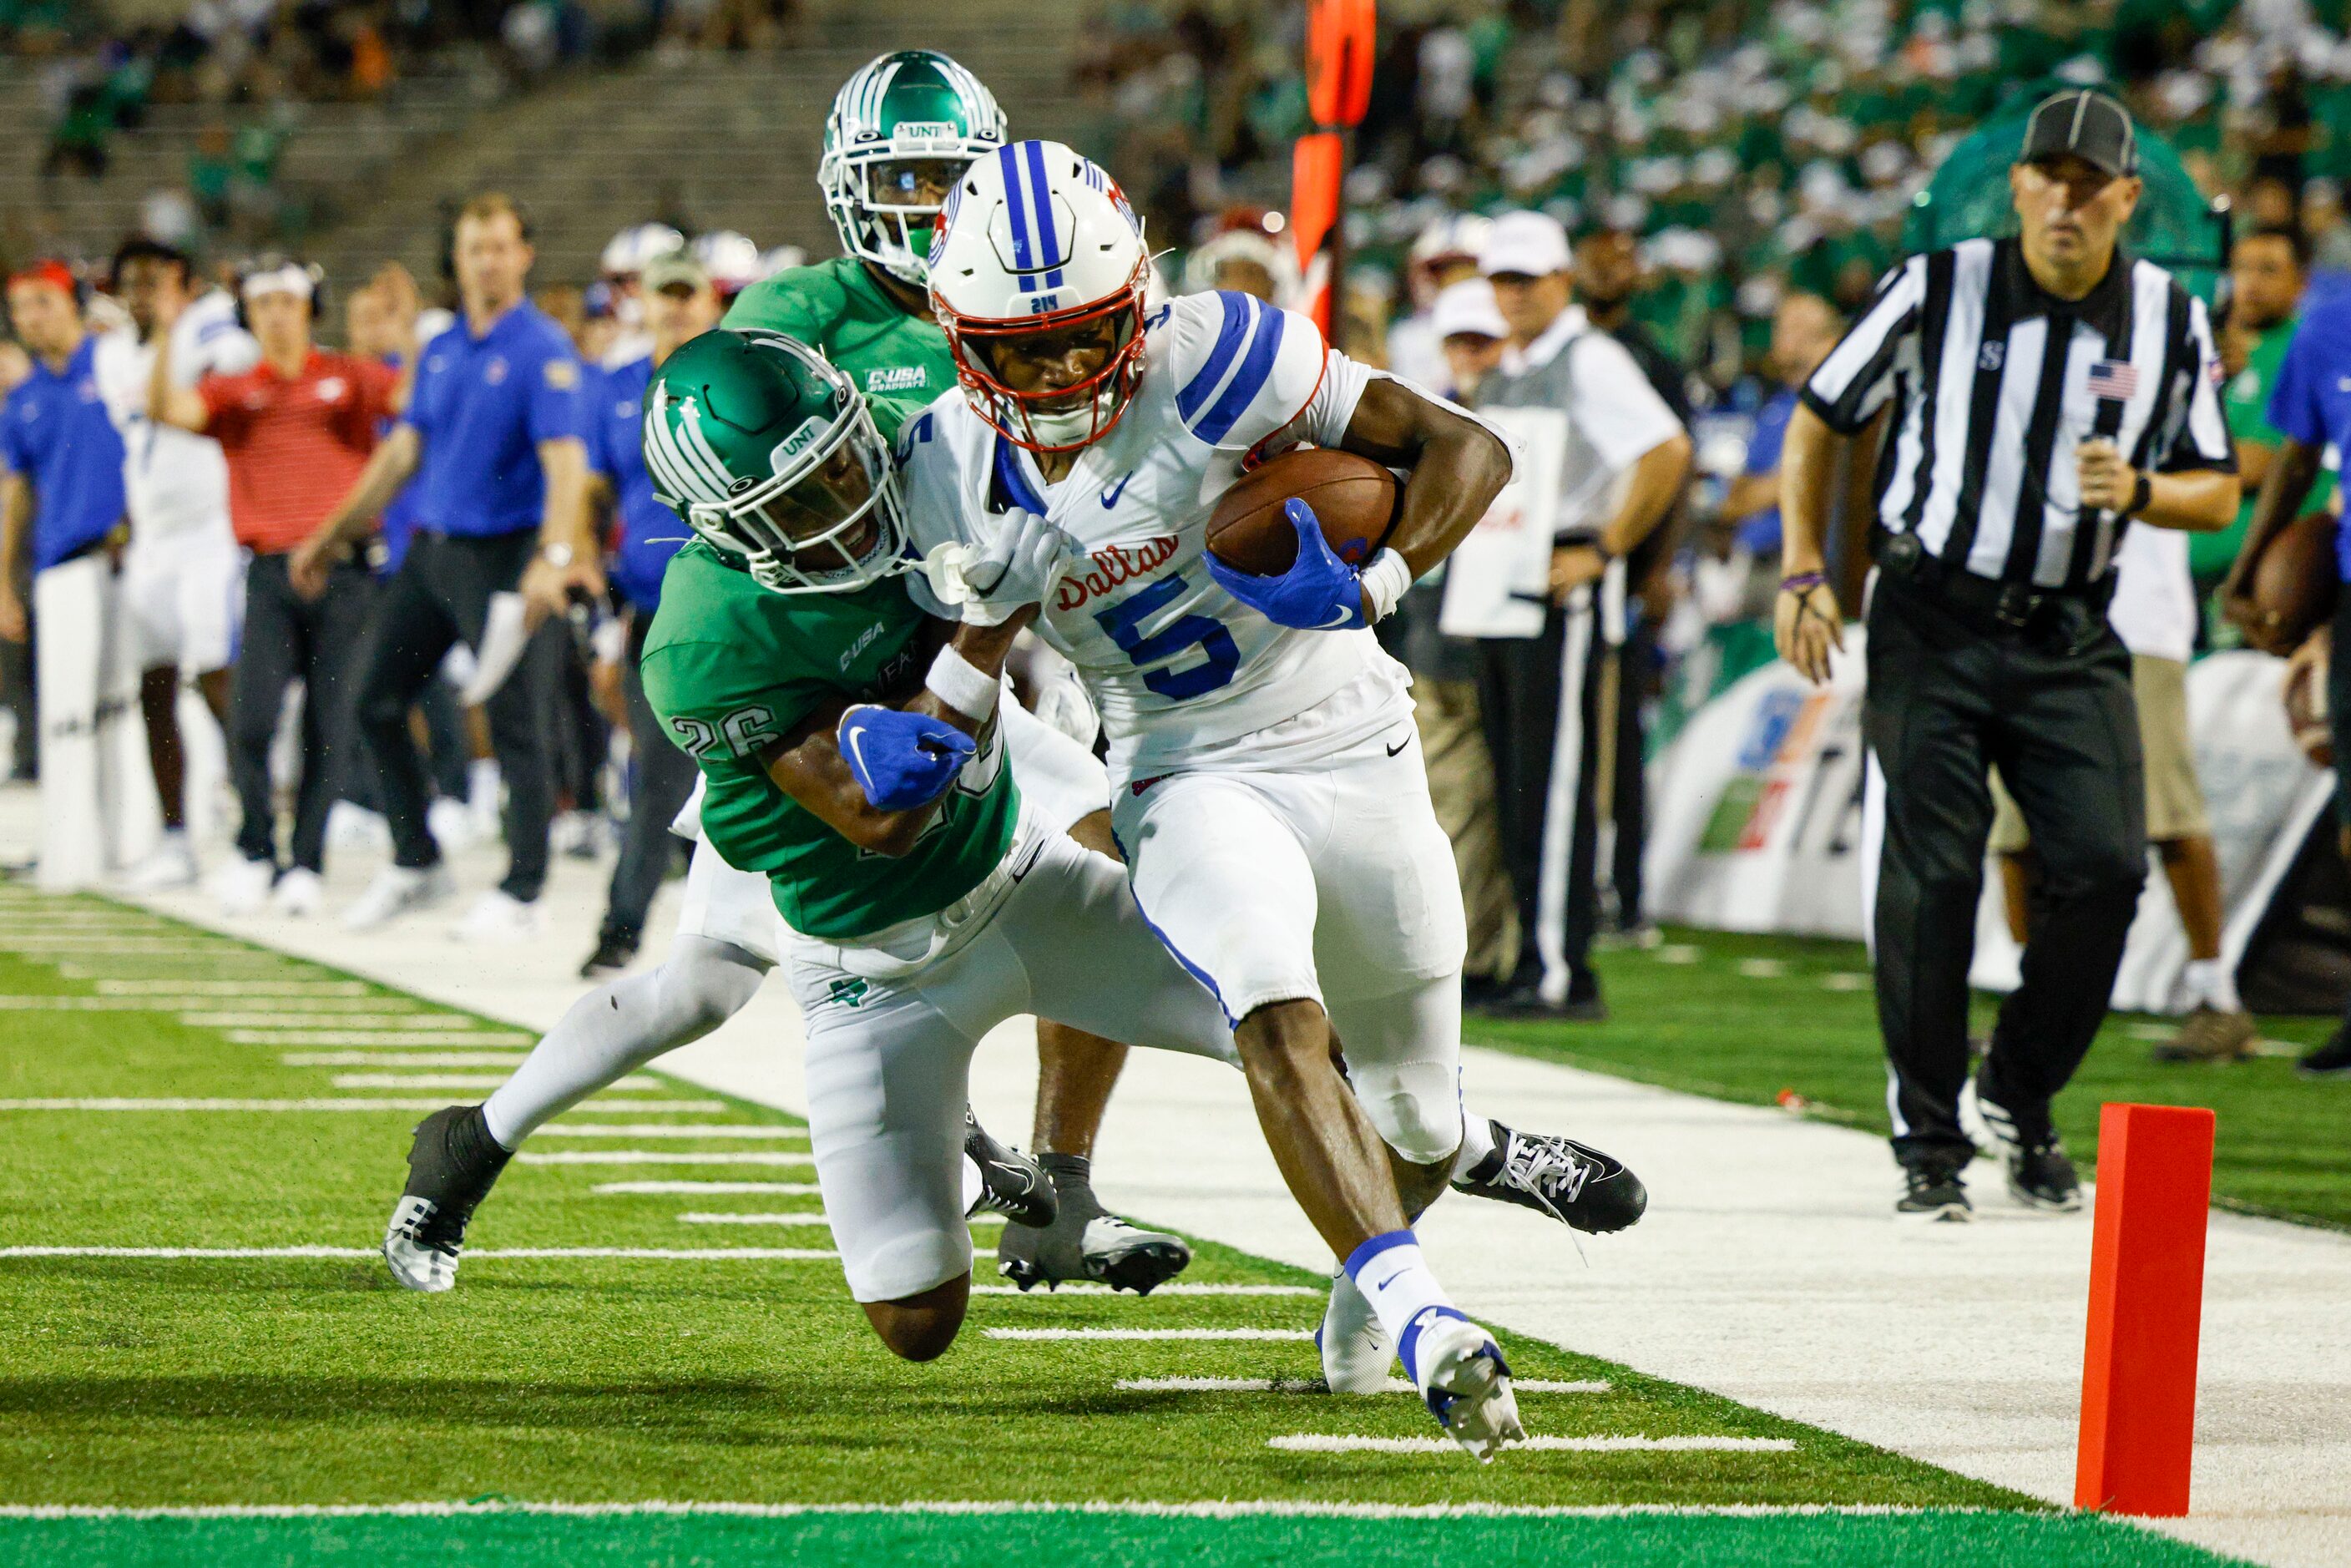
x=1385, y=581
x=962, y=686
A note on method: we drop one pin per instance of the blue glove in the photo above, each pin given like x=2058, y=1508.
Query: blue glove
x=1320, y=592
x=902, y=759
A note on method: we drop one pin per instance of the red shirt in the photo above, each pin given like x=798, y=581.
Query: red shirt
x=295, y=447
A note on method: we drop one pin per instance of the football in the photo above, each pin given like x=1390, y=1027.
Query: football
x=2294, y=579
x=1353, y=497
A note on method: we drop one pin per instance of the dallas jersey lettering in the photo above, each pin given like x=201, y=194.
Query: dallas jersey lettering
x=836, y=307
x=1179, y=669
x=731, y=668
x=172, y=479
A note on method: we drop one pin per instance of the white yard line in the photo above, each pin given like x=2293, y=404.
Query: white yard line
x=1316, y=1385
x=244, y=990
x=352, y=1104
x=1150, y=1333
x=269, y=1019
x=664, y=1130
x=1172, y=1288
x=1283, y=1508
x=1317, y=1443
x=336, y=1010
x=685, y=1254
x=633, y=1084
x=366, y=1037
x=702, y=1188
x=811, y=1218
x=654, y=1158
x=402, y=1058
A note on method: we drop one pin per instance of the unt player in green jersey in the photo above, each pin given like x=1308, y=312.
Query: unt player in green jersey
x=899, y=131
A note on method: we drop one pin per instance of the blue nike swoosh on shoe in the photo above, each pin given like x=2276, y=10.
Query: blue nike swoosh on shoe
x=1110, y=497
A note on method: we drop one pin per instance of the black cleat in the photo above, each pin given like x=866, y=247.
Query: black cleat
x=2040, y=1175
x=1573, y=1182
x=2332, y=1059
x=1086, y=1242
x=452, y=1166
x=1935, y=1190
x=612, y=954
x=1010, y=1183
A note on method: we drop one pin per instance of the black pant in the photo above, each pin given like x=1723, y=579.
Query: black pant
x=286, y=639
x=664, y=778
x=1539, y=699
x=440, y=595
x=1629, y=802
x=1948, y=698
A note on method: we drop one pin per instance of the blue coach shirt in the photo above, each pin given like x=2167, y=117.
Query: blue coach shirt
x=483, y=405
x=53, y=430
x=2310, y=402
x=1760, y=533
x=650, y=532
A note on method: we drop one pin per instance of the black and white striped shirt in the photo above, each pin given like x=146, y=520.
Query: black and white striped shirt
x=1995, y=381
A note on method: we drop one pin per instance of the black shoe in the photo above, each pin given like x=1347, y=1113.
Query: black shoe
x=2040, y=1175
x=452, y=1165
x=1935, y=1190
x=1010, y=1183
x=1086, y=1242
x=612, y=954
x=1529, y=1002
x=1480, y=992
x=2332, y=1059
x=1573, y=1182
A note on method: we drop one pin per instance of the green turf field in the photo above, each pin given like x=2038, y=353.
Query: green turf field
x=1746, y=1018
x=202, y=1141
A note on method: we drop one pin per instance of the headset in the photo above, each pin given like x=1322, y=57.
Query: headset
x=277, y=261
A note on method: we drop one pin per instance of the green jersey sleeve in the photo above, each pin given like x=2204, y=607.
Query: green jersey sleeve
x=801, y=302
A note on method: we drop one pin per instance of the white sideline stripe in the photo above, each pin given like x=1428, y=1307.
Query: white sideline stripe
x=1152, y=1333
x=634, y=1083
x=697, y=1188
x=1281, y=1508
x=1322, y=1443
x=240, y=988
x=402, y=1058
x=655, y=1157
x=354, y=1103
x=691, y=1254
x=1178, y=1288
x=1316, y=1385
x=810, y=1216
x=663, y=1130
x=365, y=1037
x=327, y=1020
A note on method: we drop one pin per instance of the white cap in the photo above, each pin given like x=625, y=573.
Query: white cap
x=1467, y=307
x=1533, y=245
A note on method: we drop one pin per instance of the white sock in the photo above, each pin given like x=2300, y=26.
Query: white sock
x=615, y=1029
x=1388, y=1271
x=482, y=782
x=1477, y=1143
x=2210, y=983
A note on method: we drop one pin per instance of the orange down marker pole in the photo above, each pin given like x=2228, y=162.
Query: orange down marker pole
x=2147, y=1309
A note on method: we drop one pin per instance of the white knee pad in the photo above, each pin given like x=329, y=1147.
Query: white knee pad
x=1404, y=1062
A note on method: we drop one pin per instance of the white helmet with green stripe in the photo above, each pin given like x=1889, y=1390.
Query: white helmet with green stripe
x=901, y=132
x=770, y=453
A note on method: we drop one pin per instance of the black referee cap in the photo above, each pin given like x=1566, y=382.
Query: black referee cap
x=2087, y=125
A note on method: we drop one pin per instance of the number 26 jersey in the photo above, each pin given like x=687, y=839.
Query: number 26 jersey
x=1181, y=671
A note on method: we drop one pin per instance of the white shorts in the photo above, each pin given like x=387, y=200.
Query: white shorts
x=1060, y=782
x=889, y=1058
x=182, y=597
x=1330, y=883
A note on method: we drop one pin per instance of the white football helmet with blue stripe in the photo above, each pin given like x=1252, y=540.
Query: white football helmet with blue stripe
x=1036, y=242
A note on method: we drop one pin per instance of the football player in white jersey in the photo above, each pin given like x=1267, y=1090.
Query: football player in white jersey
x=183, y=576
x=1274, y=813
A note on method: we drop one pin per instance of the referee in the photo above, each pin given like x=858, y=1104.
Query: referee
x=2046, y=391
x=493, y=430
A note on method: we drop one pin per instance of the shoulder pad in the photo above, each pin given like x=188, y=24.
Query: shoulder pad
x=1242, y=368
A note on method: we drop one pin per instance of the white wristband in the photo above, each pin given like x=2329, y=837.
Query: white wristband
x=962, y=686
x=1385, y=581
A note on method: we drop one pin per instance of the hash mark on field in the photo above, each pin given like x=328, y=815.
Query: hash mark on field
x=1679, y=953
x=321, y=1104
x=327, y=1020
x=1176, y=1288
x=806, y=1217
x=367, y=1037
x=663, y=1130
x=697, y=1188
x=1762, y=968
x=1320, y=1443
x=634, y=1083
x=1844, y=980
x=235, y=989
x=1151, y=1333
x=655, y=1157
x=1316, y=1385
x=402, y=1058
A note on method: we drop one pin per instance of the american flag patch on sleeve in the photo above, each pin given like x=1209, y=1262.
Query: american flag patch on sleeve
x=2114, y=378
